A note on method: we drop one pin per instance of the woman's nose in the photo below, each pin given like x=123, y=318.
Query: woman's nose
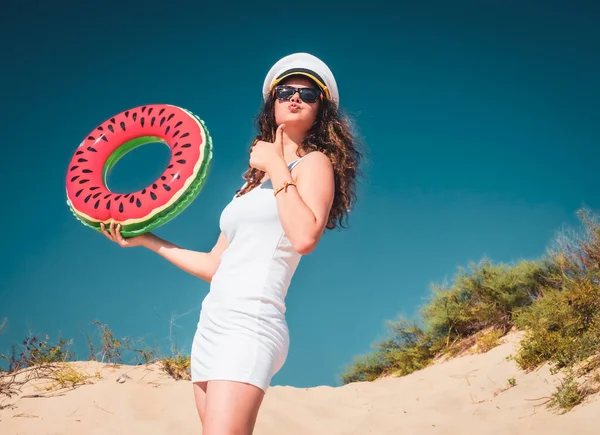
x=296, y=97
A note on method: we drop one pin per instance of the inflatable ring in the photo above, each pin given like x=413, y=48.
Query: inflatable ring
x=184, y=133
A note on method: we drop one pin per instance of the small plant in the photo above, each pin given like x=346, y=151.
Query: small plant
x=567, y=395
x=113, y=351
x=34, y=350
x=177, y=366
x=512, y=382
x=489, y=340
x=110, y=347
x=66, y=376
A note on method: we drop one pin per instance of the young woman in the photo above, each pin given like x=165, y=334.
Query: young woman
x=300, y=182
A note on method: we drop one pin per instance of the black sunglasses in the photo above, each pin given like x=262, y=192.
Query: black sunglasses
x=308, y=95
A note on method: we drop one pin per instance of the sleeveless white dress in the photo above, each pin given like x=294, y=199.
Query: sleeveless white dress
x=242, y=334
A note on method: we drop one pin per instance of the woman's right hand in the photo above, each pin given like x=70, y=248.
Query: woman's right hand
x=115, y=235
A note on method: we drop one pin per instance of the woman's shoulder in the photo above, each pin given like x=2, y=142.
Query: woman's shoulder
x=316, y=156
x=314, y=162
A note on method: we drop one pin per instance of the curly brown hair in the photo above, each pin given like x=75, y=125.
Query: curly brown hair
x=331, y=134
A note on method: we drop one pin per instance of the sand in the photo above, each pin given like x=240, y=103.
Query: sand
x=464, y=395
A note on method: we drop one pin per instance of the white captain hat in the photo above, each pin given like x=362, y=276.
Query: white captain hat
x=302, y=64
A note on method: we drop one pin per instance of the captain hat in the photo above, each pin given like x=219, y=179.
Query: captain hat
x=302, y=64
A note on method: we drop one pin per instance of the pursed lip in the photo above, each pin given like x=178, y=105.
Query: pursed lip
x=293, y=107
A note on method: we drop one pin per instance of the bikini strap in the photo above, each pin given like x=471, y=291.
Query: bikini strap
x=295, y=162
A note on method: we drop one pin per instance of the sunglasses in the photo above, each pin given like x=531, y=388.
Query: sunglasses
x=308, y=95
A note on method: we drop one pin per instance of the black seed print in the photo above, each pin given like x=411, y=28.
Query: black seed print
x=142, y=121
x=117, y=197
x=175, y=146
x=79, y=153
x=107, y=195
x=83, y=181
x=87, y=171
x=104, y=138
x=110, y=127
x=92, y=149
x=112, y=120
x=182, y=161
x=154, y=186
x=178, y=153
x=167, y=129
x=187, y=145
x=143, y=191
x=162, y=177
x=166, y=187
x=143, y=109
x=161, y=111
x=94, y=188
x=79, y=193
x=150, y=110
x=152, y=195
x=152, y=121
x=91, y=138
x=122, y=124
x=170, y=116
x=87, y=198
x=184, y=135
x=162, y=120
x=108, y=204
x=127, y=114
x=131, y=199
x=126, y=195
x=169, y=167
x=134, y=116
x=176, y=176
x=96, y=195
x=138, y=203
x=74, y=167
x=176, y=133
x=121, y=208
x=74, y=178
x=97, y=204
x=100, y=128
x=178, y=124
x=81, y=160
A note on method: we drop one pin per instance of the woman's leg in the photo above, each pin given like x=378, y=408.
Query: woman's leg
x=200, y=396
x=231, y=408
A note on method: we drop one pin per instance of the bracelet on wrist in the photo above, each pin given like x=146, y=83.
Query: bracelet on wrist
x=283, y=187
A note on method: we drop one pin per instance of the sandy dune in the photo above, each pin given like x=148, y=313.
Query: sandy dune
x=466, y=395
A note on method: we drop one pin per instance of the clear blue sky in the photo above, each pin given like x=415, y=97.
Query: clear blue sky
x=480, y=121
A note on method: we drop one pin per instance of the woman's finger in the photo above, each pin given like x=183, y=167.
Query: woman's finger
x=112, y=230
x=103, y=227
x=119, y=236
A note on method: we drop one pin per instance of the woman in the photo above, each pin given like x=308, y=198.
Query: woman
x=300, y=181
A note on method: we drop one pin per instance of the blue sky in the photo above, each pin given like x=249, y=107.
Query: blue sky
x=480, y=122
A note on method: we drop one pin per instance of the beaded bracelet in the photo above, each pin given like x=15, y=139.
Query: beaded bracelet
x=284, y=186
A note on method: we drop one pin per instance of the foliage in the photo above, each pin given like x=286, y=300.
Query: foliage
x=555, y=301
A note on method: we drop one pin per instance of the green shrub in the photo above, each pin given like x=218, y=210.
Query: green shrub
x=484, y=297
x=405, y=350
x=555, y=301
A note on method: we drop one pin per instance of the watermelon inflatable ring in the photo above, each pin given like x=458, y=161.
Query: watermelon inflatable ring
x=184, y=133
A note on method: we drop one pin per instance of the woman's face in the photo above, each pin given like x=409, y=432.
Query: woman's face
x=296, y=114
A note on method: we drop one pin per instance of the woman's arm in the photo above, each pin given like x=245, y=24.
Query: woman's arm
x=200, y=264
x=304, y=208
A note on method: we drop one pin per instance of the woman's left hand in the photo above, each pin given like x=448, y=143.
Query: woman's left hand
x=264, y=155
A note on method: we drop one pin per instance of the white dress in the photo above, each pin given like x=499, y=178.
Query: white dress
x=242, y=334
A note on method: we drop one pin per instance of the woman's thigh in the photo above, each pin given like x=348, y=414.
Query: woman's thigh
x=200, y=397
x=231, y=408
